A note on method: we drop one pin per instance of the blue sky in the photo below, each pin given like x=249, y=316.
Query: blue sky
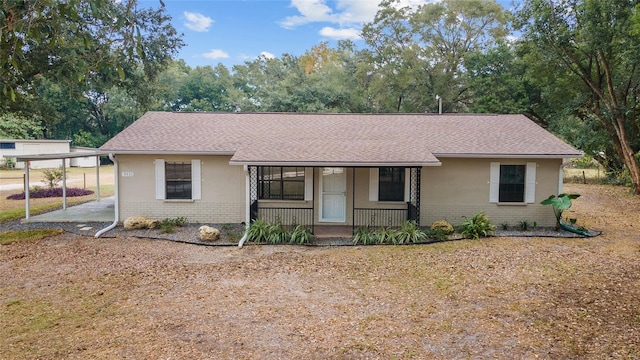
x=234, y=31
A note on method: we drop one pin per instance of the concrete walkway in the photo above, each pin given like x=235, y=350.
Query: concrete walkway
x=93, y=211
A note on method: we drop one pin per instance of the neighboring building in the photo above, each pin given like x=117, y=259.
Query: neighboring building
x=87, y=161
x=337, y=169
x=12, y=149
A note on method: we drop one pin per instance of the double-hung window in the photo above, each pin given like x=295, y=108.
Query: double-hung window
x=281, y=183
x=512, y=183
x=178, y=180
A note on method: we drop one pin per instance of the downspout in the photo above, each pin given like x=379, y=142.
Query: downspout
x=116, y=207
x=247, y=195
x=565, y=162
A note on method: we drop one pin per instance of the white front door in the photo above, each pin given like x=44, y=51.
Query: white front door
x=333, y=201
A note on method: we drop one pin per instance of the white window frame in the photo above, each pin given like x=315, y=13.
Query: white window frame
x=374, y=184
x=529, y=187
x=196, y=180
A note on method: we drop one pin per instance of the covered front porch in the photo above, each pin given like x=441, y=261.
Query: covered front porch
x=333, y=201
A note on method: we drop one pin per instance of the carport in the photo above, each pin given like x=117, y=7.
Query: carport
x=62, y=157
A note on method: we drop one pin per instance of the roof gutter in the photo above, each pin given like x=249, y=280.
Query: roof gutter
x=116, y=206
x=508, y=156
x=156, y=152
x=334, y=163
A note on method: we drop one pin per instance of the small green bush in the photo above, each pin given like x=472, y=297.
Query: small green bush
x=385, y=235
x=168, y=226
x=52, y=177
x=300, y=235
x=410, y=233
x=478, y=226
x=276, y=234
x=258, y=231
x=363, y=236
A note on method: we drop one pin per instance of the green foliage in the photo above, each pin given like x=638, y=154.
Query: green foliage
x=167, y=226
x=597, y=83
x=363, y=236
x=385, y=235
x=559, y=203
x=258, y=231
x=276, y=233
x=410, y=233
x=52, y=177
x=8, y=163
x=13, y=126
x=525, y=225
x=300, y=235
x=478, y=226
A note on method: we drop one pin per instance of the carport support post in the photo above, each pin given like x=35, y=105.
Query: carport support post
x=64, y=184
x=98, y=178
x=26, y=191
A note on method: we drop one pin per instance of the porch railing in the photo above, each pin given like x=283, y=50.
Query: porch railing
x=379, y=217
x=286, y=216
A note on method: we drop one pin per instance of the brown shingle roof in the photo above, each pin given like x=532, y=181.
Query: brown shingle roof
x=270, y=138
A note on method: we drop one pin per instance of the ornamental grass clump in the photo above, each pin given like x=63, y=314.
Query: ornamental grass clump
x=478, y=226
x=410, y=233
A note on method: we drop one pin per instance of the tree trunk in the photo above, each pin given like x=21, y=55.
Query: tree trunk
x=627, y=155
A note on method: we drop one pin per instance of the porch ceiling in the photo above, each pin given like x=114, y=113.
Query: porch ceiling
x=329, y=152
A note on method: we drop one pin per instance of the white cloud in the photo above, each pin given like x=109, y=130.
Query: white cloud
x=216, y=54
x=197, y=22
x=346, y=12
x=267, y=55
x=340, y=34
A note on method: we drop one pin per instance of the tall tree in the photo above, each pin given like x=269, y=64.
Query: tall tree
x=84, y=47
x=594, y=42
x=418, y=54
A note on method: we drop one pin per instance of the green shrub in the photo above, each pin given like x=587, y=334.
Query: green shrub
x=168, y=226
x=385, y=235
x=258, y=231
x=52, y=177
x=363, y=236
x=410, y=233
x=300, y=235
x=436, y=235
x=276, y=234
x=478, y=226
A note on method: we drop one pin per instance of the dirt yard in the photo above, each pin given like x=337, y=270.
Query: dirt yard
x=76, y=297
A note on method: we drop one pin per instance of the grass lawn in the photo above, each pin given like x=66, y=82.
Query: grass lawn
x=76, y=177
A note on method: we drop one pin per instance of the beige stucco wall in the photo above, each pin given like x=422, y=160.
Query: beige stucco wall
x=460, y=187
x=223, y=190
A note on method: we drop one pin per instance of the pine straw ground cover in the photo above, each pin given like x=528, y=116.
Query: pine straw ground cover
x=77, y=297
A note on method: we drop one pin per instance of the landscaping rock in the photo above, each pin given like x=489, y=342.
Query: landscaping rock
x=208, y=233
x=140, y=222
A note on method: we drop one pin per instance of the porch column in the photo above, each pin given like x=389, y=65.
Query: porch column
x=64, y=184
x=414, y=195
